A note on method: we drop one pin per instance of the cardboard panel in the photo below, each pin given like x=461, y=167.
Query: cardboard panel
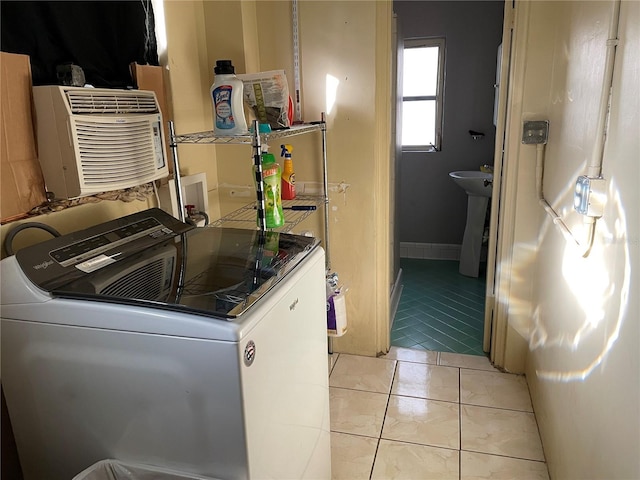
x=21, y=178
x=150, y=77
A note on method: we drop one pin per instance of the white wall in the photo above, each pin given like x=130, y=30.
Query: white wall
x=579, y=316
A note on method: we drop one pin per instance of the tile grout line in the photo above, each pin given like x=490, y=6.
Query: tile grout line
x=333, y=366
x=449, y=336
x=502, y=455
x=352, y=389
x=501, y=408
x=427, y=399
x=418, y=444
x=535, y=417
x=384, y=418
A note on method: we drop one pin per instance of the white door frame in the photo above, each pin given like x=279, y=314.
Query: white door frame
x=501, y=229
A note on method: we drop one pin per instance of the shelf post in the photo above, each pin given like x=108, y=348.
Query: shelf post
x=257, y=168
x=176, y=171
x=325, y=185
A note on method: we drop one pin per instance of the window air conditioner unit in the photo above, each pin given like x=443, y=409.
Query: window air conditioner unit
x=94, y=140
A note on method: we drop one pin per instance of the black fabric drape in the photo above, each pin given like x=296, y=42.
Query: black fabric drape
x=102, y=37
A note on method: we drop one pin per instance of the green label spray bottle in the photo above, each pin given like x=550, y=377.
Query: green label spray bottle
x=271, y=178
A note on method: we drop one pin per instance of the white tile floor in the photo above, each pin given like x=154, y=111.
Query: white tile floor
x=421, y=415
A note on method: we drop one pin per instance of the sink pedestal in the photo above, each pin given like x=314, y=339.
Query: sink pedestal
x=478, y=186
x=473, y=232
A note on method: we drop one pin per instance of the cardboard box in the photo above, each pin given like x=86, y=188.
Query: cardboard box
x=150, y=77
x=22, y=183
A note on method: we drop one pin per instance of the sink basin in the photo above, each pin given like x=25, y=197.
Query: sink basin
x=474, y=183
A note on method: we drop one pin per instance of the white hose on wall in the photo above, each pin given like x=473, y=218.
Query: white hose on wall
x=555, y=218
x=594, y=167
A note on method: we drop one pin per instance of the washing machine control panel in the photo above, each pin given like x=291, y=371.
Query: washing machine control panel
x=90, y=247
x=57, y=261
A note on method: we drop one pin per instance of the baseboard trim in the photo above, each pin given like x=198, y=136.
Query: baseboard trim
x=430, y=251
x=395, y=298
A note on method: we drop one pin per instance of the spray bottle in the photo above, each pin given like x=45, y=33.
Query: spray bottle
x=288, y=175
x=271, y=178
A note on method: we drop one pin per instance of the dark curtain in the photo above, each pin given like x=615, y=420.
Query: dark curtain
x=102, y=37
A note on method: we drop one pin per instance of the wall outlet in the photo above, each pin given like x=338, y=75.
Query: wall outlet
x=535, y=132
x=240, y=193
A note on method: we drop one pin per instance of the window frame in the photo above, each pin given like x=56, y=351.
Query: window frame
x=438, y=97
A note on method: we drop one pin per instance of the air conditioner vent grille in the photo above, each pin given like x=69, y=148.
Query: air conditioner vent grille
x=99, y=101
x=112, y=154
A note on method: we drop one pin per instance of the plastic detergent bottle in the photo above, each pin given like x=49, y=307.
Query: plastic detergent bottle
x=288, y=175
x=228, y=103
x=271, y=177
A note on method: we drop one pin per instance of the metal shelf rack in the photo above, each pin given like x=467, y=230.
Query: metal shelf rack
x=247, y=217
x=209, y=137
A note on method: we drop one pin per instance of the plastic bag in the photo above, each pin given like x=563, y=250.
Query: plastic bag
x=337, y=314
x=267, y=94
x=336, y=307
x=115, y=470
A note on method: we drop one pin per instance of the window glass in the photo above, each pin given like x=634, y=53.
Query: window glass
x=420, y=71
x=423, y=86
x=418, y=123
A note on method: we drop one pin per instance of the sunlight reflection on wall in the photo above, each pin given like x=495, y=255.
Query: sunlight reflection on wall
x=331, y=92
x=600, y=286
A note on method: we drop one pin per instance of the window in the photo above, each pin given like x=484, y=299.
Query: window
x=422, y=90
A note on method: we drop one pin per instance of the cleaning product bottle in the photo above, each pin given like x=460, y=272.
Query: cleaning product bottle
x=271, y=177
x=288, y=175
x=228, y=103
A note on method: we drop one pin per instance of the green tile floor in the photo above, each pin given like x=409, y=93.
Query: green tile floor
x=439, y=309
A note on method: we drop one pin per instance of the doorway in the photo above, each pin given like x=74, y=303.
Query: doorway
x=439, y=308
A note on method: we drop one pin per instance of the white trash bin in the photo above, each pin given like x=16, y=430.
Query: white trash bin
x=115, y=470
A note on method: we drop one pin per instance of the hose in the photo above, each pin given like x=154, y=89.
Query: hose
x=8, y=241
x=584, y=249
x=206, y=217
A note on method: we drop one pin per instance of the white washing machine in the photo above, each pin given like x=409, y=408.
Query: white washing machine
x=146, y=340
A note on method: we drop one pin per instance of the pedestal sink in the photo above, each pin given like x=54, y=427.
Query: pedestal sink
x=477, y=185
